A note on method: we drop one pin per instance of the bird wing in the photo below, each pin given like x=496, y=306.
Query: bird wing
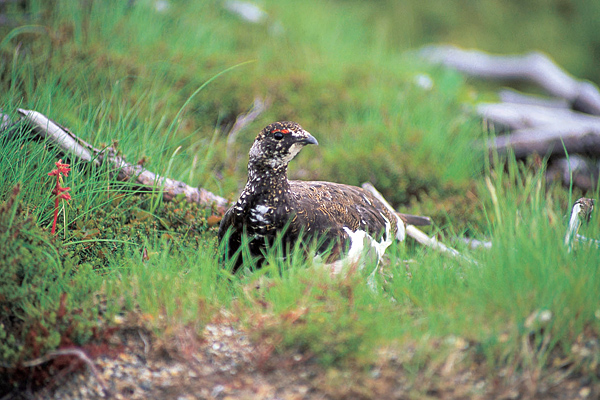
x=226, y=223
x=234, y=240
x=323, y=207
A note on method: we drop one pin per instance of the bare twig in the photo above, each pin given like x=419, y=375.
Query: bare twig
x=432, y=242
x=145, y=340
x=243, y=120
x=408, y=219
x=73, y=353
x=420, y=236
x=534, y=67
x=61, y=137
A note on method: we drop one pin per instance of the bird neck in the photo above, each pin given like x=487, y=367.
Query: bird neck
x=264, y=179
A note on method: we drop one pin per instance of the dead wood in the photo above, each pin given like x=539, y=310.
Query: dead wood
x=124, y=171
x=548, y=141
x=420, y=236
x=243, y=120
x=542, y=130
x=534, y=67
x=581, y=170
x=68, y=352
x=513, y=96
x=519, y=116
x=528, y=124
x=539, y=125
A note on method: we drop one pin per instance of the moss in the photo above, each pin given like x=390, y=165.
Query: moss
x=134, y=220
x=39, y=310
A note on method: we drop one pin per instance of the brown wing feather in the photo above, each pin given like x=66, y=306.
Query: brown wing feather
x=225, y=224
x=326, y=206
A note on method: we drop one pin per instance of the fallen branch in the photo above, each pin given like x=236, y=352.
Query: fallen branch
x=71, y=145
x=581, y=170
x=422, y=238
x=513, y=96
x=521, y=116
x=66, y=141
x=542, y=130
x=243, y=120
x=536, y=125
x=534, y=67
x=408, y=219
x=548, y=141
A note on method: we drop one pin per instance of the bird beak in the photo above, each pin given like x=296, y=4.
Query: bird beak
x=309, y=139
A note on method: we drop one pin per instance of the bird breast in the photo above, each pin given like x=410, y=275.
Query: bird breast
x=260, y=214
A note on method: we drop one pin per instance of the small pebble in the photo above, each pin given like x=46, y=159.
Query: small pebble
x=217, y=390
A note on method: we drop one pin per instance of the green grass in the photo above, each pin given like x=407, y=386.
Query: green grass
x=164, y=87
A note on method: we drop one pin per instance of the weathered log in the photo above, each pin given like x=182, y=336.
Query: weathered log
x=542, y=130
x=516, y=97
x=72, y=145
x=533, y=67
x=545, y=126
x=520, y=116
x=582, y=171
x=549, y=141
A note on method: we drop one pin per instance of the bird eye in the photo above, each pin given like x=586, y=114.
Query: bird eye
x=278, y=135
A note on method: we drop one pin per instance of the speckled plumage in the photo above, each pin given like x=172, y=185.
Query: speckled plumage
x=270, y=203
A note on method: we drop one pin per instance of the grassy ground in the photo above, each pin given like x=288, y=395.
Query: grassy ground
x=130, y=77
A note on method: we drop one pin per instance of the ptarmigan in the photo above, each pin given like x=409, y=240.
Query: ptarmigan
x=349, y=221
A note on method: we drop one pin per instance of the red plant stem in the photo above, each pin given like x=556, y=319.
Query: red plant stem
x=56, y=202
x=58, y=191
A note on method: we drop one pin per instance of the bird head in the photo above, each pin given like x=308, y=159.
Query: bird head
x=278, y=143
